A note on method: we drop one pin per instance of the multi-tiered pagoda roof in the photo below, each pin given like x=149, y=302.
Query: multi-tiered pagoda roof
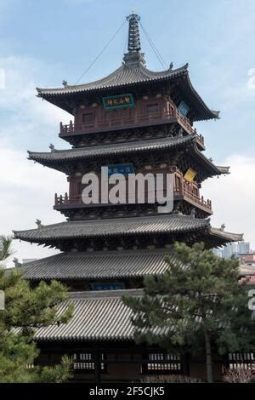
x=106, y=247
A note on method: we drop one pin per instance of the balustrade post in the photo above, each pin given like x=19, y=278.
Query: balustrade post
x=182, y=187
x=71, y=127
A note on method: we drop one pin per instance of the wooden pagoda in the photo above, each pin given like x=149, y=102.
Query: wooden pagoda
x=143, y=119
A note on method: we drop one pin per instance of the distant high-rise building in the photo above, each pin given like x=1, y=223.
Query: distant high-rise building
x=229, y=250
x=243, y=248
x=235, y=250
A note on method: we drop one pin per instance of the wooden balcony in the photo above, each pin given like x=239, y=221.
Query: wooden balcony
x=190, y=194
x=183, y=191
x=137, y=120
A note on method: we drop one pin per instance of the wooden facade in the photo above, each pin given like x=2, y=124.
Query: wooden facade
x=146, y=121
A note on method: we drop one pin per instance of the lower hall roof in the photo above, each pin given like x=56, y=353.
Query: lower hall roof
x=97, y=316
x=104, y=265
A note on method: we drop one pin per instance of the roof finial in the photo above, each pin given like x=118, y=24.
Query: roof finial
x=134, y=44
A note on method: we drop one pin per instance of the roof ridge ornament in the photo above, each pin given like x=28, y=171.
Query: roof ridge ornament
x=52, y=147
x=134, y=55
x=39, y=223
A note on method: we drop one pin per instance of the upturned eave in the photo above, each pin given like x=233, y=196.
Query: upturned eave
x=130, y=76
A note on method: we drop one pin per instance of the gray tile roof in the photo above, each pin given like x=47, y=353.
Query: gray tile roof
x=104, y=265
x=97, y=265
x=97, y=316
x=228, y=236
x=123, y=76
x=131, y=75
x=223, y=169
x=154, y=224
x=58, y=158
x=112, y=149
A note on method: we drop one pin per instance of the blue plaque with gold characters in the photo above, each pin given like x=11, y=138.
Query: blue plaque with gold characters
x=124, y=169
x=118, y=101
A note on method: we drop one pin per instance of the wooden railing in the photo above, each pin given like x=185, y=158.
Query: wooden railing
x=115, y=123
x=186, y=190
x=137, y=119
x=190, y=192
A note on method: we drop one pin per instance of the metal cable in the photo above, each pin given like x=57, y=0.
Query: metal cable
x=153, y=46
x=100, y=53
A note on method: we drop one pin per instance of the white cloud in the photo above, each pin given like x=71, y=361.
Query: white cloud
x=251, y=80
x=236, y=92
x=27, y=194
x=240, y=92
x=27, y=190
x=233, y=197
x=20, y=75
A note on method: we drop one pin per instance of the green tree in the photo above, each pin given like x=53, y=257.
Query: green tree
x=25, y=310
x=5, y=247
x=198, y=304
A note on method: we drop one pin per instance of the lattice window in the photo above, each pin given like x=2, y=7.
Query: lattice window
x=183, y=108
x=241, y=360
x=163, y=363
x=85, y=362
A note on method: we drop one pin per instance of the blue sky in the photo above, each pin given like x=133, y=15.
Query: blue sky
x=215, y=37
x=43, y=42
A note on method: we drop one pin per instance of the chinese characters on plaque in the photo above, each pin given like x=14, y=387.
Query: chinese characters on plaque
x=119, y=101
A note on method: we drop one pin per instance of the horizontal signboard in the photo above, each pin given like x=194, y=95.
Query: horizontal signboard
x=119, y=101
x=123, y=169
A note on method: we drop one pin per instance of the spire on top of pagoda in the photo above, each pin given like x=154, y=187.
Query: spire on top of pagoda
x=134, y=55
x=134, y=43
x=133, y=71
